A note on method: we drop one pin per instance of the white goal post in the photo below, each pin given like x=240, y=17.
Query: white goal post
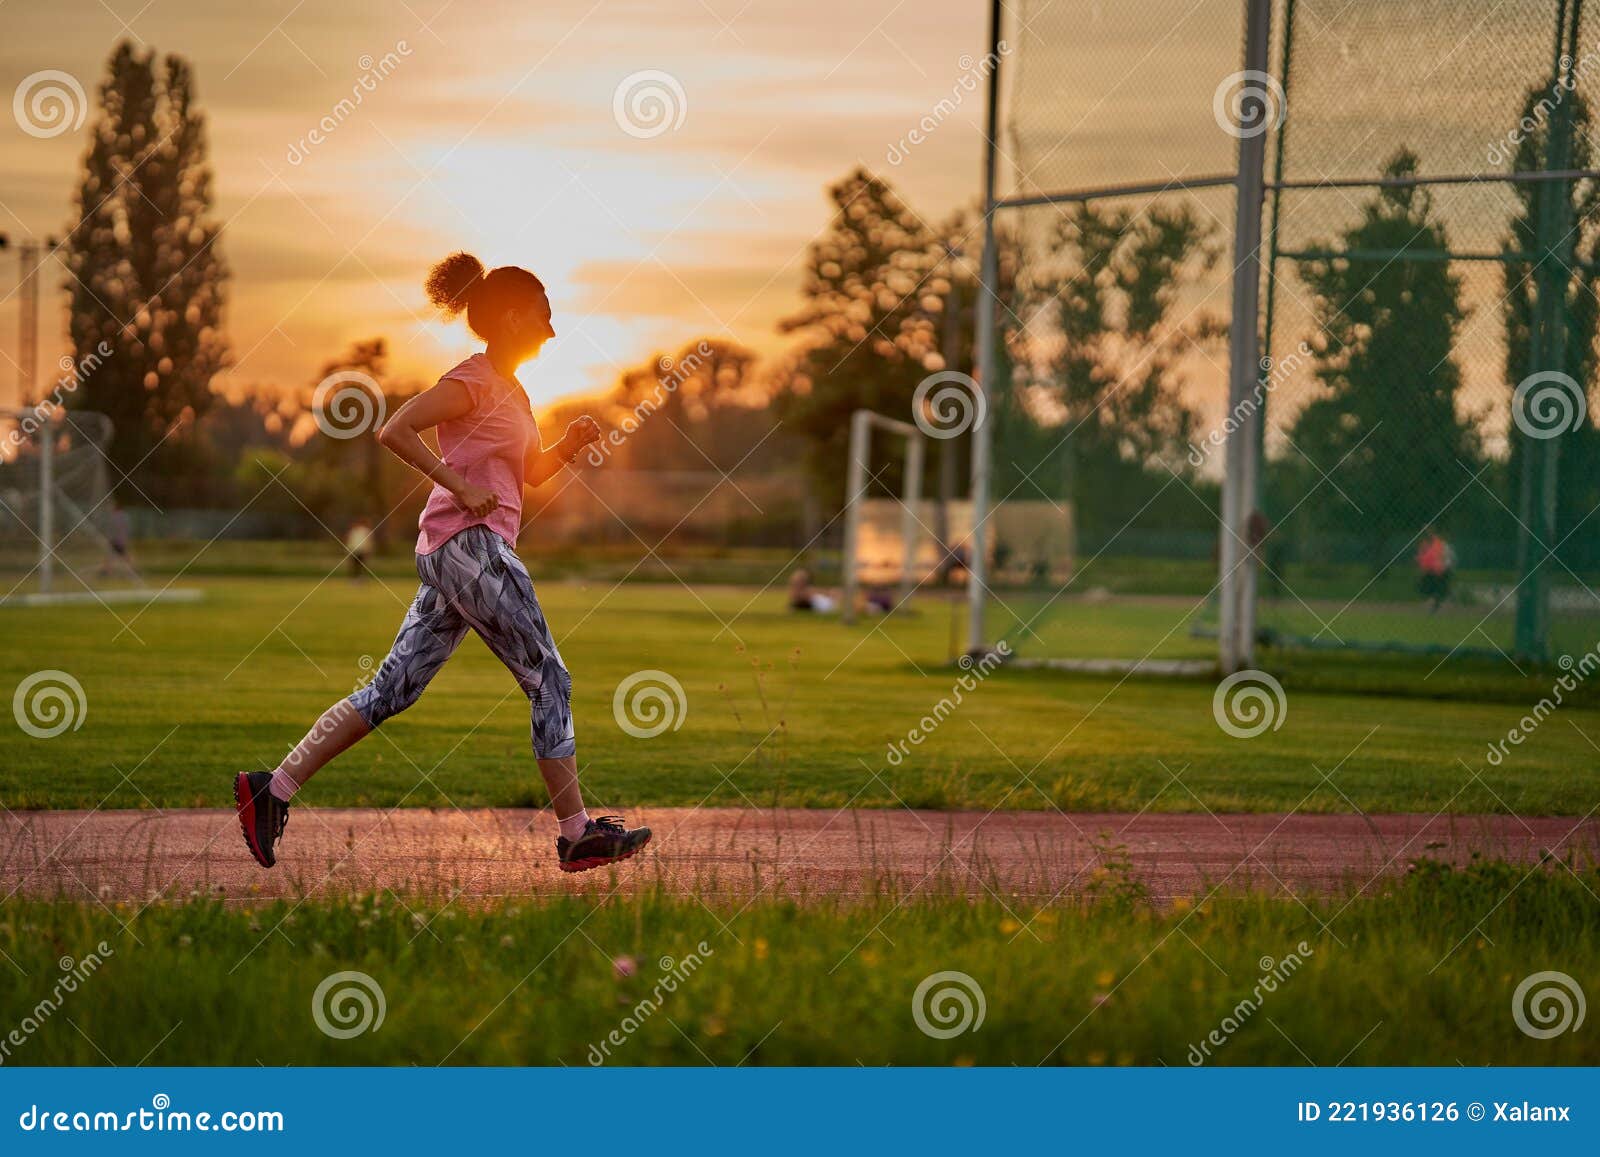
x=55, y=498
x=862, y=423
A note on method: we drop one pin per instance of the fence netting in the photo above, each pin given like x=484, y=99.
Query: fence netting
x=1430, y=460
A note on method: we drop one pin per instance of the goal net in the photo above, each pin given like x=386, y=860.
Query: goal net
x=58, y=521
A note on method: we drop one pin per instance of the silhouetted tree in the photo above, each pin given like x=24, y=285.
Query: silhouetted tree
x=147, y=279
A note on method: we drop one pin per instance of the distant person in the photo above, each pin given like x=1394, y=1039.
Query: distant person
x=1436, y=564
x=805, y=597
x=119, y=545
x=358, y=545
x=472, y=579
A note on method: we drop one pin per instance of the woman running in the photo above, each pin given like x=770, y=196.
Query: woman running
x=471, y=576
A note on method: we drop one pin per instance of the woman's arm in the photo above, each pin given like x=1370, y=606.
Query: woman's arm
x=402, y=435
x=544, y=463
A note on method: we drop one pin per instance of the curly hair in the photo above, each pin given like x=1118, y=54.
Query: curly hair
x=460, y=283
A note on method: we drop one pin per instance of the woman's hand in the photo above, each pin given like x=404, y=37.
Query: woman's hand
x=579, y=434
x=476, y=501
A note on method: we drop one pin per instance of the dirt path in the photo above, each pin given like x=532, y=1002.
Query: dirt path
x=140, y=855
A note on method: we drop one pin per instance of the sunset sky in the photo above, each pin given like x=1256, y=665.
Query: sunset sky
x=494, y=132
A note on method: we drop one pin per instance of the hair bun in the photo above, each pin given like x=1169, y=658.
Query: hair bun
x=451, y=282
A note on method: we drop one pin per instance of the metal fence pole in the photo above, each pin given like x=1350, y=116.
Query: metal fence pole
x=988, y=298
x=855, y=493
x=1238, y=627
x=910, y=518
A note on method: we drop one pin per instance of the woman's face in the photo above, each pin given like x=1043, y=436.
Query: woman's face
x=528, y=327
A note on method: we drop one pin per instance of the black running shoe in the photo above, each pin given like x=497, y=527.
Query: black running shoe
x=604, y=841
x=262, y=815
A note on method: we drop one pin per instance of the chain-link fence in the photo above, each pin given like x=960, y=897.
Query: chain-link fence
x=1411, y=451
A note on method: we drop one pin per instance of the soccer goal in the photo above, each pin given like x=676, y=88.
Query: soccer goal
x=887, y=544
x=60, y=538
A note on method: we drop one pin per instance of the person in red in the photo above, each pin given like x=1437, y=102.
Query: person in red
x=1435, y=563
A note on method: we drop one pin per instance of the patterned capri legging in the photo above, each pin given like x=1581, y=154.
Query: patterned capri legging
x=475, y=581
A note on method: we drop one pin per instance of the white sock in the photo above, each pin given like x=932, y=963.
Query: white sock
x=282, y=785
x=573, y=826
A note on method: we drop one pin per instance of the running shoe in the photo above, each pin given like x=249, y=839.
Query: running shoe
x=262, y=815
x=604, y=841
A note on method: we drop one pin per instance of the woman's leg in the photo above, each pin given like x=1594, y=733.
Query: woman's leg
x=428, y=636
x=490, y=588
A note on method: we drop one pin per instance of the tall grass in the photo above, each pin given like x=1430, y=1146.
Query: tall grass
x=1423, y=972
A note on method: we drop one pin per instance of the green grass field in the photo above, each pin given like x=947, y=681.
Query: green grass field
x=781, y=709
x=1423, y=973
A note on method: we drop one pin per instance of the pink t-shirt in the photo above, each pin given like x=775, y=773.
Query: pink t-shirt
x=486, y=446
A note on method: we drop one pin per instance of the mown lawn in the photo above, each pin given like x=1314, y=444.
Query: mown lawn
x=1425, y=973
x=777, y=709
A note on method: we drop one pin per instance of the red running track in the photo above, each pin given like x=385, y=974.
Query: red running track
x=138, y=856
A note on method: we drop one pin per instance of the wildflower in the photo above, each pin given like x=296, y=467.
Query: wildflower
x=1008, y=926
x=624, y=967
x=1105, y=978
x=761, y=948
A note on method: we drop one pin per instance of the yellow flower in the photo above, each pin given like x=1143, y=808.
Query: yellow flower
x=1096, y=1058
x=761, y=949
x=1008, y=926
x=1105, y=978
x=1181, y=905
x=963, y=1062
x=869, y=958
